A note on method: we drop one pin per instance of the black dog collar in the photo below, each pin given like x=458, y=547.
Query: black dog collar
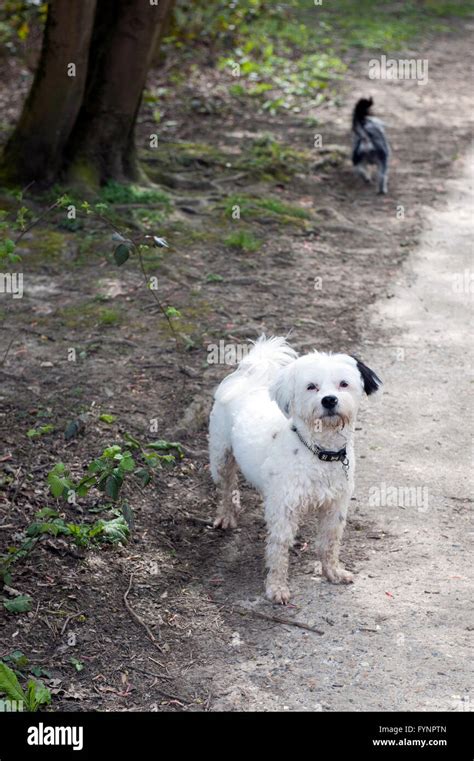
x=326, y=455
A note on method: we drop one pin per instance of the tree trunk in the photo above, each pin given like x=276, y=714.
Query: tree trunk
x=34, y=151
x=164, y=30
x=102, y=144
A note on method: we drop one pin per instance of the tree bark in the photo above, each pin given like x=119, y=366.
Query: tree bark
x=34, y=151
x=102, y=143
x=164, y=30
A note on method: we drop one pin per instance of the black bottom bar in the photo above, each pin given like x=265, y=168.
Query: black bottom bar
x=310, y=735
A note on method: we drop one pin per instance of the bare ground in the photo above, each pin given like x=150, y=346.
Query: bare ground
x=397, y=639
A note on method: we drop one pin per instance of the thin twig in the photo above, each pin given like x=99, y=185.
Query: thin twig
x=69, y=618
x=180, y=700
x=137, y=618
x=232, y=178
x=37, y=333
x=278, y=620
x=208, y=522
x=158, y=302
x=38, y=219
x=151, y=673
x=161, y=665
x=6, y=353
x=25, y=473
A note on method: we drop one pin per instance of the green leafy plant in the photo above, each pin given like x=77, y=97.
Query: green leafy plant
x=13, y=556
x=107, y=418
x=35, y=696
x=134, y=463
x=82, y=534
x=76, y=663
x=19, y=604
x=43, y=430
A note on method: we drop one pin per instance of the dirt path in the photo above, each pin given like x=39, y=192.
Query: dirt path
x=400, y=637
x=396, y=639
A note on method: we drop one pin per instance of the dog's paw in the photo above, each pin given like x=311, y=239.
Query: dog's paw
x=278, y=593
x=338, y=575
x=225, y=522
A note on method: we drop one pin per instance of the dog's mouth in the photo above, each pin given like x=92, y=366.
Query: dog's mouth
x=333, y=419
x=331, y=415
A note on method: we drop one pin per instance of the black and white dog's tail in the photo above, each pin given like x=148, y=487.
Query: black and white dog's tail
x=370, y=144
x=360, y=114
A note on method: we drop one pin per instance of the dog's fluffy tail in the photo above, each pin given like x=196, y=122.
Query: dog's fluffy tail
x=257, y=369
x=360, y=113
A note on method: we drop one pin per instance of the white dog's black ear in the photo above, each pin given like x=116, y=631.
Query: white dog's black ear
x=282, y=388
x=370, y=380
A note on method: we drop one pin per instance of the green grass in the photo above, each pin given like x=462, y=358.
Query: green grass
x=285, y=209
x=89, y=314
x=47, y=246
x=267, y=158
x=251, y=207
x=385, y=26
x=117, y=193
x=173, y=156
x=243, y=240
x=284, y=54
x=149, y=218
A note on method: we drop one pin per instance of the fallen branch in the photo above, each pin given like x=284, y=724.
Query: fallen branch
x=199, y=521
x=169, y=696
x=137, y=618
x=151, y=673
x=279, y=620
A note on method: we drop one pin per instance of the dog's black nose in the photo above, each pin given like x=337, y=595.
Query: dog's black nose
x=329, y=402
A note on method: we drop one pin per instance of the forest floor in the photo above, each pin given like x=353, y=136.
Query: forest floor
x=344, y=269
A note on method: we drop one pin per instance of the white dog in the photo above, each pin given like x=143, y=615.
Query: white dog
x=288, y=424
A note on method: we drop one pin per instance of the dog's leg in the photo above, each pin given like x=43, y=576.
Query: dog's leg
x=281, y=532
x=229, y=497
x=361, y=170
x=383, y=176
x=331, y=527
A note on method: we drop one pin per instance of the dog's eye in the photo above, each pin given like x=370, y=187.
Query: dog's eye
x=312, y=387
x=343, y=384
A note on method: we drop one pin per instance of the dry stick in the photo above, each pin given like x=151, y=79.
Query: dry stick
x=278, y=620
x=69, y=618
x=6, y=353
x=137, y=618
x=232, y=178
x=25, y=473
x=151, y=673
x=180, y=700
x=208, y=522
x=161, y=665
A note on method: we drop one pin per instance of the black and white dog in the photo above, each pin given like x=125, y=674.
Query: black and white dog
x=370, y=145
